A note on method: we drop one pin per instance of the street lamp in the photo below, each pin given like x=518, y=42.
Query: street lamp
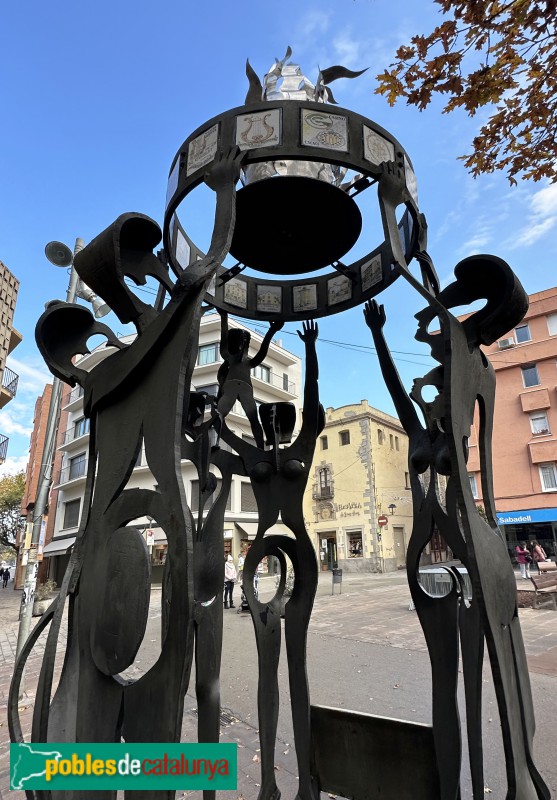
x=392, y=508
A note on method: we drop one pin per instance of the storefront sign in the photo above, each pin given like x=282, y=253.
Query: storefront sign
x=526, y=516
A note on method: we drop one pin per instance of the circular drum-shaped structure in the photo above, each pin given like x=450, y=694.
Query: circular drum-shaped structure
x=295, y=131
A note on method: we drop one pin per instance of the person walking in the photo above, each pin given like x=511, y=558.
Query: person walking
x=229, y=581
x=538, y=554
x=523, y=559
x=6, y=577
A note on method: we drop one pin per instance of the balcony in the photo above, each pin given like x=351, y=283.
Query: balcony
x=9, y=386
x=75, y=470
x=3, y=447
x=322, y=492
x=78, y=430
x=75, y=397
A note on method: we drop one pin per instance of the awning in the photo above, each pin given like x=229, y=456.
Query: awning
x=58, y=547
x=250, y=530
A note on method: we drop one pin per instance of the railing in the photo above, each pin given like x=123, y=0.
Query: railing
x=278, y=382
x=322, y=492
x=10, y=381
x=72, y=434
x=73, y=471
x=3, y=447
x=75, y=394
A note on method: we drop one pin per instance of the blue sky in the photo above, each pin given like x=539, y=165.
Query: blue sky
x=97, y=98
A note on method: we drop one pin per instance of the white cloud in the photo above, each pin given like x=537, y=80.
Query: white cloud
x=32, y=378
x=9, y=424
x=542, y=217
x=13, y=464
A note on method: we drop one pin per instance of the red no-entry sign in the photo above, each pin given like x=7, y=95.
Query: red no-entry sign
x=382, y=520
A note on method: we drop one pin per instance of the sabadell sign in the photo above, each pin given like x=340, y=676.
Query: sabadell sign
x=527, y=515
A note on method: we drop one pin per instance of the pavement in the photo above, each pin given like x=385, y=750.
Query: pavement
x=365, y=651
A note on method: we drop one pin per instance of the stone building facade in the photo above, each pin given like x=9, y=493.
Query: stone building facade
x=359, y=479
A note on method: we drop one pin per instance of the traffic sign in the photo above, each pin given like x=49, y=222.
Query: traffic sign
x=382, y=520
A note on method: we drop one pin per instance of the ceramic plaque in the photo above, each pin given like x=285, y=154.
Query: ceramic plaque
x=236, y=293
x=260, y=129
x=339, y=289
x=377, y=149
x=372, y=273
x=320, y=129
x=202, y=150
x=269, y=299
x=304, y=298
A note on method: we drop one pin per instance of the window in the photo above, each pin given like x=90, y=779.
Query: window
x=212, y=389
x=539, y=423
x=548, y=475
x=522, y=333
x=210, y=500
x=397, y=443
x=380, y=436
x=248, y=498
x=355, y=549
x=407, y=480
x=344, y=437
x=530, y=375
x=78, y=466
x=208, y=354
x=263, y=373
x=325, y=482
x=285, y=382
x=473, y=485
x=391, y=441
x=71, y=513
x=324, y=443
x=80, y=427
x=552, y=324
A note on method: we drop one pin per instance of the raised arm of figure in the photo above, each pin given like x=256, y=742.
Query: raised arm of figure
x=264, y=349
x=375, y=318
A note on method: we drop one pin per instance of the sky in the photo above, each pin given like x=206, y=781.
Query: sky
x=96, y=99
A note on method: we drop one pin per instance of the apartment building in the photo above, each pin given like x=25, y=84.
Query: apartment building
x=9, y=340
x=277, y=379
x=525, y=427
x=358, y=505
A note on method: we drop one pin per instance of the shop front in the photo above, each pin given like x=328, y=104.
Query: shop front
x=528, y=524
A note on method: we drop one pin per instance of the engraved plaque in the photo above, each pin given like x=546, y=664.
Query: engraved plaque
x=320, y=129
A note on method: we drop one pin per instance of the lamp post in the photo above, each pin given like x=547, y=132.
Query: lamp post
x=392, y=508
x=60, y=255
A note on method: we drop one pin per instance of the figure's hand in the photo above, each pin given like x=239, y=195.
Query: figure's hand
x=276, y=326
x=225, y=169
x=311, y=331
x=392, y=182
x=374, y=315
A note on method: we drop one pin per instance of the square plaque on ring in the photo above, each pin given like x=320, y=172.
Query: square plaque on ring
x=320, y=129
x=183, y=249
x=236, y=293
x=377, y=149
x=260, y=129
x=371, y=272
x=202, y=149
x=304, y=298
x=269, y=299
x=173, y=180
x=411, y=182
x=339, y=289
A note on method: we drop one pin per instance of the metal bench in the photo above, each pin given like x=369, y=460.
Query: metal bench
x=545, y=586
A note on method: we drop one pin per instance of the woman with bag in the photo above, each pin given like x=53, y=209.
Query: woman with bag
x=523, y=559
x=538, y=554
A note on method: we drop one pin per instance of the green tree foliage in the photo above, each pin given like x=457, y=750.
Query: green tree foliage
x=11, y=492
x=489, y=53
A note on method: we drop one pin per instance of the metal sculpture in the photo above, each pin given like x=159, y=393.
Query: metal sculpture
x=288, y=145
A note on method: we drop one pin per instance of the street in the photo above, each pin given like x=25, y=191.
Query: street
x=365, y=652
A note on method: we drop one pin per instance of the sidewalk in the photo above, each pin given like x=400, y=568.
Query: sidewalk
x=371, y=611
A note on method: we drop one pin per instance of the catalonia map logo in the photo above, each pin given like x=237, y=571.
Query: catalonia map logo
x=125, y=765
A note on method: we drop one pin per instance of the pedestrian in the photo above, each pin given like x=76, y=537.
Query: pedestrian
x=523, y=559
x=538, y=554
x=5, y=577
x=241, y=559
x=229, y=580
